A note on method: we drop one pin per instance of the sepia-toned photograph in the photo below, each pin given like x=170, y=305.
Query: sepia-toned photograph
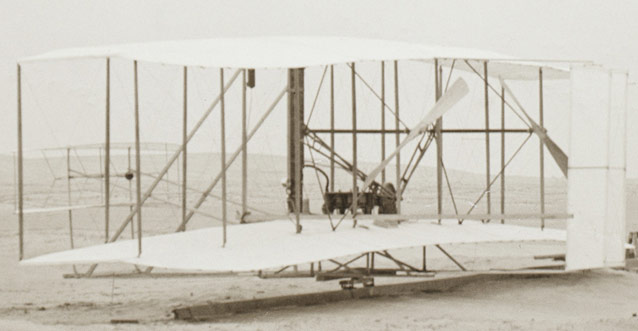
x=318, y=165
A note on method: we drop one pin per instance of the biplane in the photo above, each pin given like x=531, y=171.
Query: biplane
x=367, y=219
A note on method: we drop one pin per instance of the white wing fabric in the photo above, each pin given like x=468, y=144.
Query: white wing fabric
x=275, y=244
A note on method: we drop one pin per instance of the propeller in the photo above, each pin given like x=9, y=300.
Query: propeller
x=453, y=95
x=559, y=156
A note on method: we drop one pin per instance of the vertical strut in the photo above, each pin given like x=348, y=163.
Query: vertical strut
x=502, y=153
x=295, y=142
x=332, y=130
x=130, y=192
x=542, y=146
x=184, y=143
x=438, y=127
x=138, y=172
x=372, y=261
x=100, y=163
x=424, y=268
x=487, y=140
x=244, y=150
x=20, y=170
x=15, y=181
x=383, y=120
x=355, y=201
x=68, y=194
x=107, y=153
x=397, y=135
x=70, y=201
x=222, y=125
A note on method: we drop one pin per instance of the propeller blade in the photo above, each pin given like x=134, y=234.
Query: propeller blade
x=454, y=94
x=556, y=152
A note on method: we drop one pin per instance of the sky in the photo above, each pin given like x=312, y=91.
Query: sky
x=601, y=31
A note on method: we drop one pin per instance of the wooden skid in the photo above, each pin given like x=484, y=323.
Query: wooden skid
x=289, y=274
x=555, y=257
x=354, y=272
x=214, y=310
x=157, y=274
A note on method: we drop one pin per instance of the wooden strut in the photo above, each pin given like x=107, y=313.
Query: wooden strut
x=101, y=174
x=355, y=199
x=424, y=268
x=405, y=131
x=223, y=152
x=130, y=190
x=332, y=130
x=383, y=131
x=15, y=181
x=107, y=153
x=138, y=177
x=185, y=144
x=345, y=264
x=244, y=150
x=451, y=257
x=434, y=216
x=20, y=168
x=503, y=153
x=69, y=200
x=439, y=143
x=397, y=135
x=541, y=156
x=398, y=262
x=295, y=119
x=487, y=139
x=372, y=260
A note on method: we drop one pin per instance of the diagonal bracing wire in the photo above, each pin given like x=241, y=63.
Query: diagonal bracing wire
x=314, y=102
x=379, y=97
x=312, y=157
x=449, y=187
x=405, y=177
x=449, y=76
x=499, y=95
x=497, y=176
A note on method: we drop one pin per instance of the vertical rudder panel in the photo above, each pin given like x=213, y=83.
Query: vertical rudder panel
x=596, y=175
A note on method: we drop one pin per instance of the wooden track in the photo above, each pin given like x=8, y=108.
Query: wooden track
x=215, y=310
